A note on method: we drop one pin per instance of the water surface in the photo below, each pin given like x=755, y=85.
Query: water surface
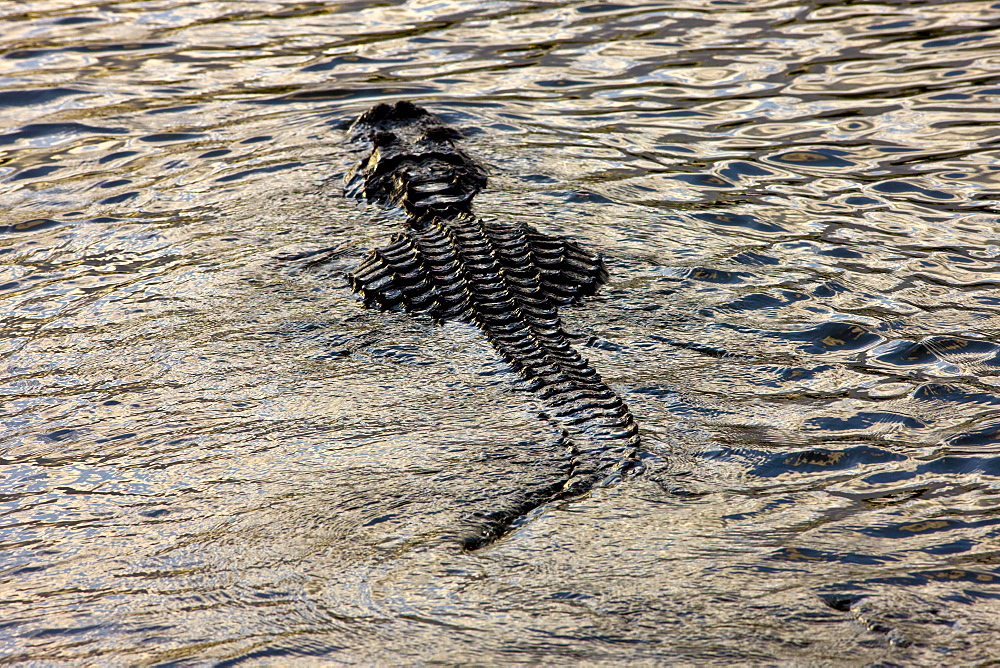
x=210, y=453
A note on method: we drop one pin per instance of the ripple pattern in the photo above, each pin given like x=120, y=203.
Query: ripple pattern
x=209, y=453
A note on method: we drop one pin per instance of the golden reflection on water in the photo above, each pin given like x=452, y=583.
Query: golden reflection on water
x=210, y=452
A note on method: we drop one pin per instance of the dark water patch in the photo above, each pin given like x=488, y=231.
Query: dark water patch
x=115, y=183
x=173, y=110
x=949, y=575
x=57, y=131
x=760, y=301
x=60, y=435
x=118, y=199
x=704, y=180
x=804, y=554
x=982, y=436
x=957, y=348
x=834, y=251
x=561, y=83
x=953, y=41
x=747, y=221
x=895, y=25
x=717, y=275
x=35, y=225
x=675, y=403
x=602, y=344
x=821, y=460
x=347, y=61
x=333, y=342
x=256, y=170
x=783, y=375
x=163, y=137
x=60, y=631
x=830, y=337
x=903, y=187
x=22, y=54
x=955, y=547
x=27, y=97
x=77, y=20
x=671, y=148
x=737, y=170
x=580, y=197
x=537, y=178
x=954, y=394
x=922, y=528
x=36, y=172
x=821, y=158
x=960, y=575
x=864, y=420
x=755, y=259
x=949, y=354
x=401, y=355
x=700, y=348
x=118, y=155
x=218, y=153
x=903, y=354
x=606, y=8
x=943, y=466
x=844, y=254
x=841, y=602
x=882, y=498
x=859, y=201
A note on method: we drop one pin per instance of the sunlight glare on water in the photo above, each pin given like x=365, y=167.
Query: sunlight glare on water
x=210, y=453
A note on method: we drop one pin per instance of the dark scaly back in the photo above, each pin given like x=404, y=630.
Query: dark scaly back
x=508, y=279
x=414, y=163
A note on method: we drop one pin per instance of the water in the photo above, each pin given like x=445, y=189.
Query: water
x=210, y=453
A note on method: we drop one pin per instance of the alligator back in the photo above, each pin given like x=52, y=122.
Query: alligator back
x=507, y=278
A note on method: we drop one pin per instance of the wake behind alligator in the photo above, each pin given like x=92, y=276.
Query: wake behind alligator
x=507, y=278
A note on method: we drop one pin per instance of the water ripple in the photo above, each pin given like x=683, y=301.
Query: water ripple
x=211, y=453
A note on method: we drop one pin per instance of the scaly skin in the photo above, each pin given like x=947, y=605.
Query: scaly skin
x=508, y=279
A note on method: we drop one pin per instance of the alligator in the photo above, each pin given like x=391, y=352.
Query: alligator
x=509, y=279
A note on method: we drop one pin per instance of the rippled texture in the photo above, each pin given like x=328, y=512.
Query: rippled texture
x=211, y=453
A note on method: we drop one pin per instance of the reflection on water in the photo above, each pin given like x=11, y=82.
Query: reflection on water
x=211, y=453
